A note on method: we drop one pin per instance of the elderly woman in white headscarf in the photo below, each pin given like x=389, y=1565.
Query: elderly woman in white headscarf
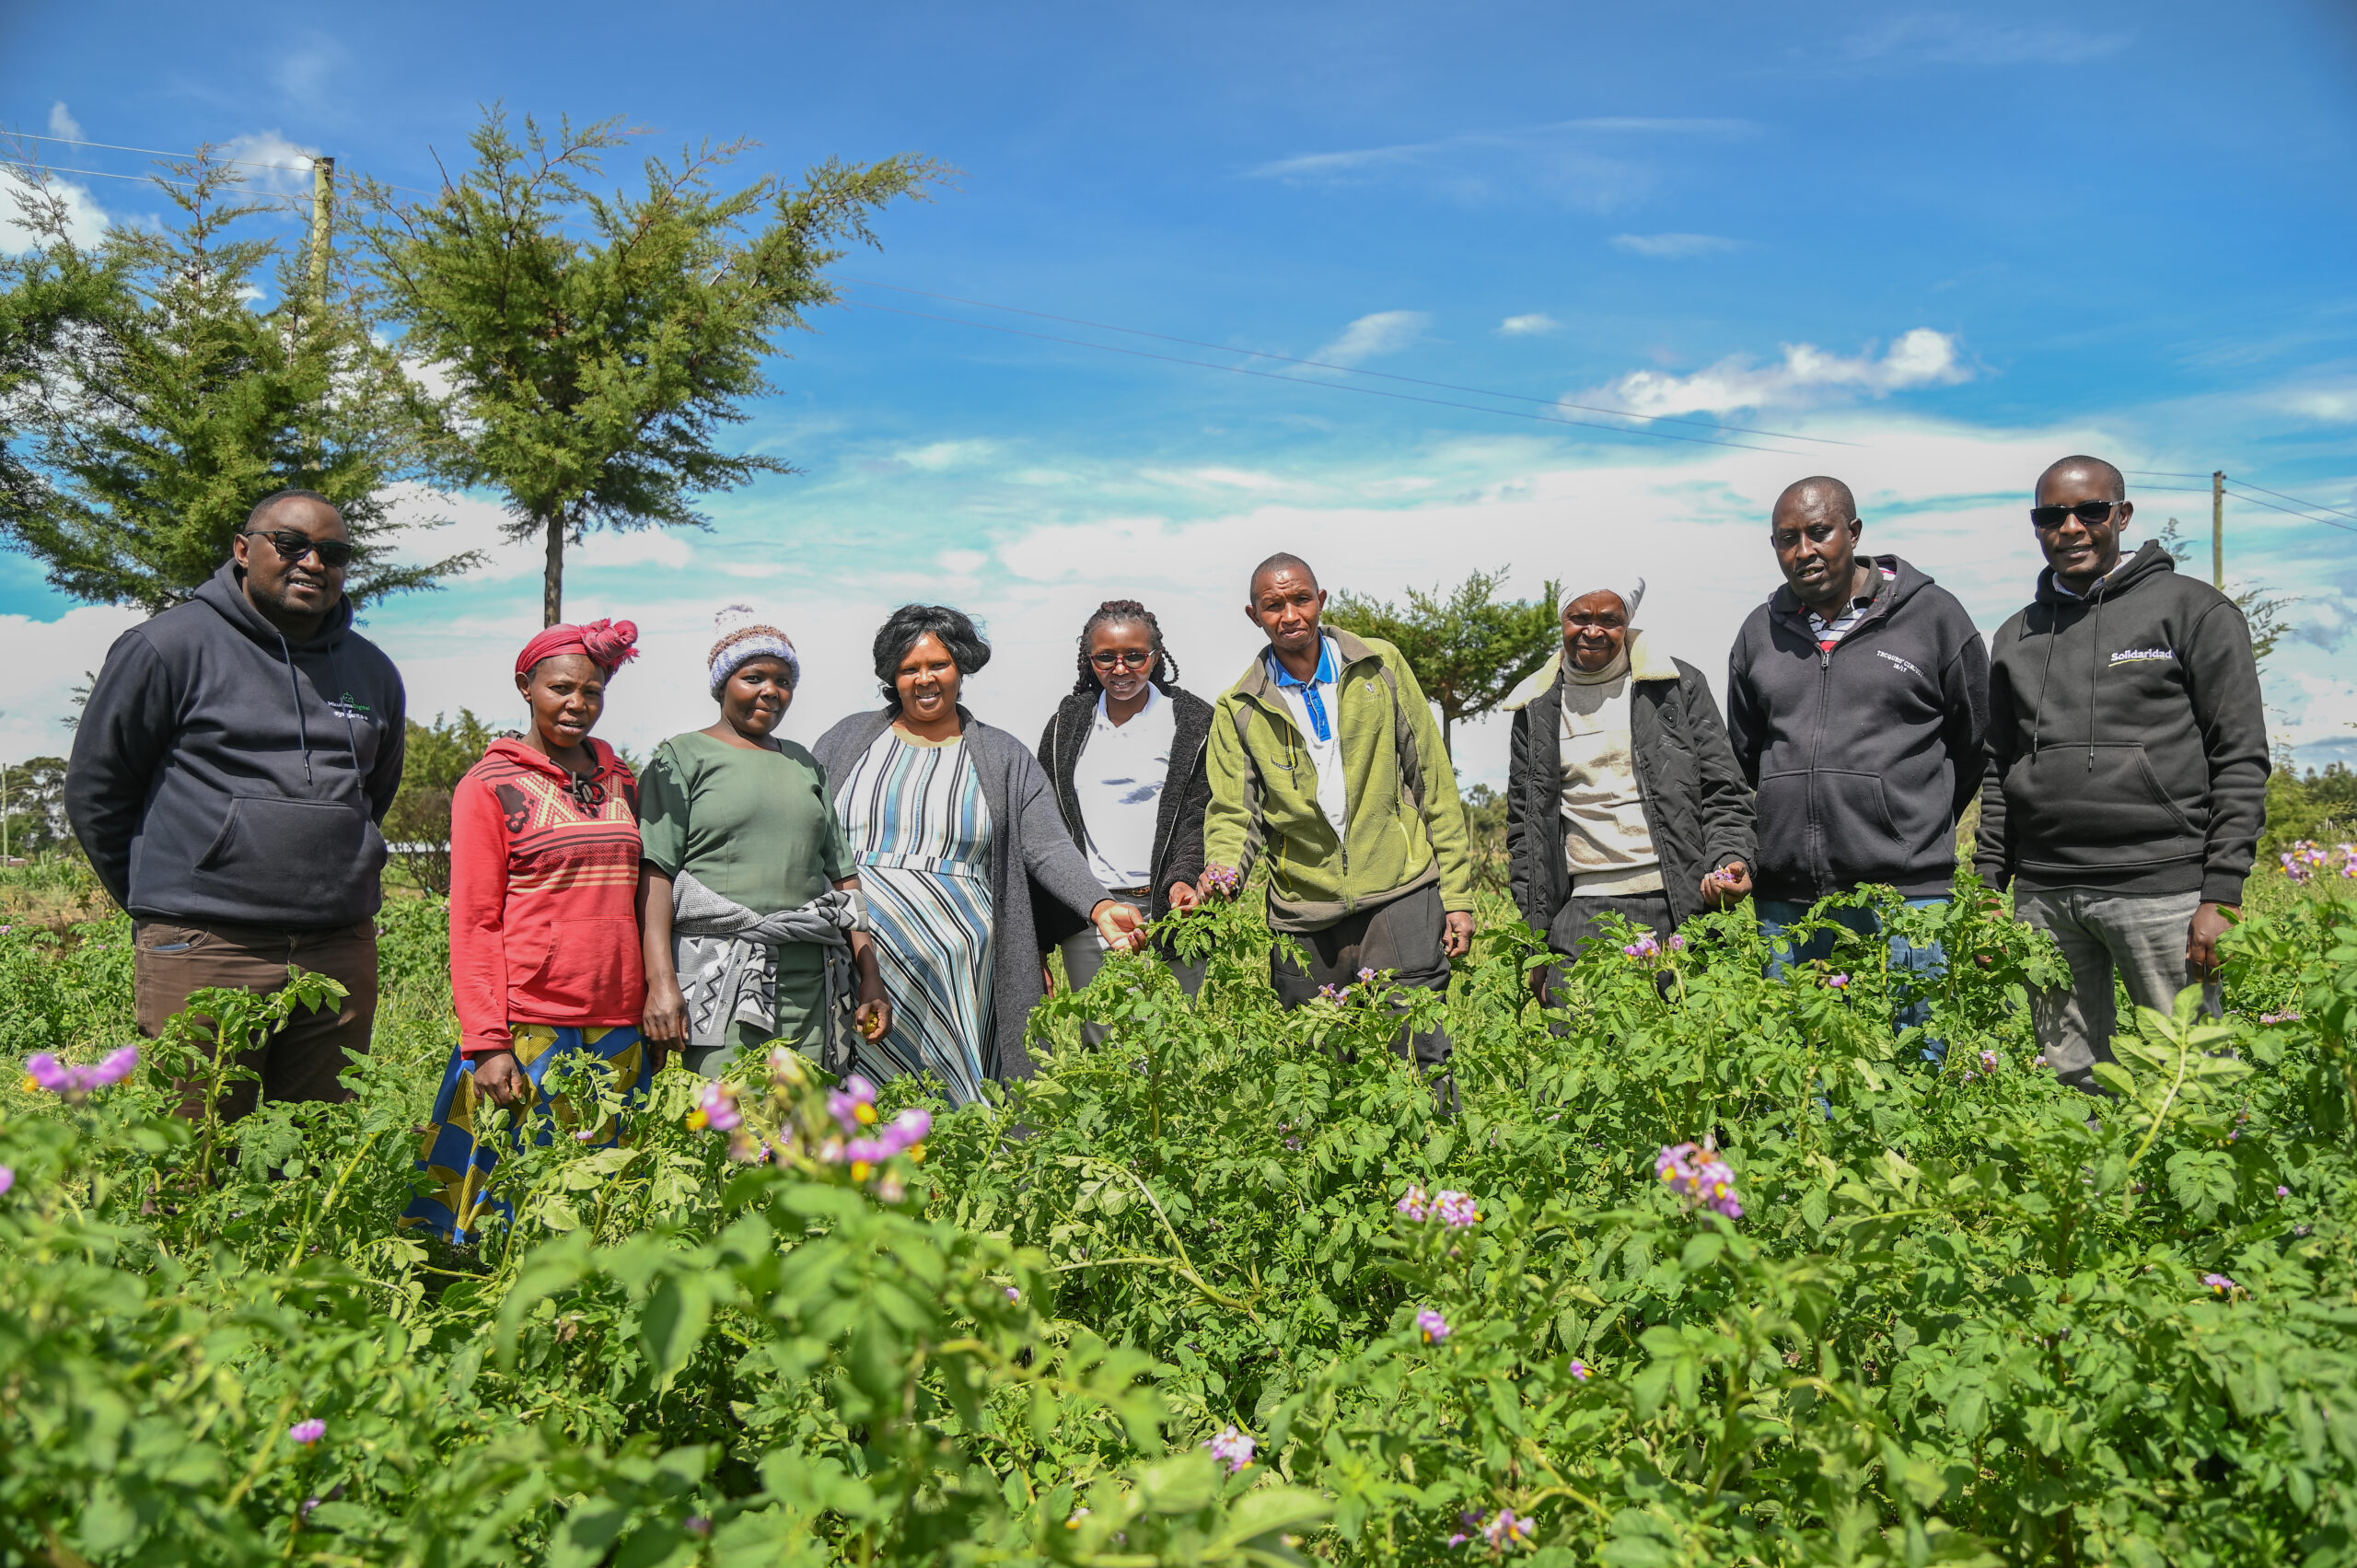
x=751, y=919
x=1624, y=795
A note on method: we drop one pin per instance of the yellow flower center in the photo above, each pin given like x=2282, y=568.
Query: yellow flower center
x=860, y=1170
x=698, y=1121
x=916, y=1153
x=867, y=1114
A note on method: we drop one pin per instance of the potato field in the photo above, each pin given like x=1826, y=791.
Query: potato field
x=1236, y=1288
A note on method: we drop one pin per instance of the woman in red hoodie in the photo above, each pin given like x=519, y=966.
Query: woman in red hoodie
x=545, y=963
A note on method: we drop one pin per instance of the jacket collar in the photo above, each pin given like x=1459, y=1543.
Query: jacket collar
x=609, y=765
x=2151, y=559
x=1646, y=662
x=1256, y=684
x=225, y=594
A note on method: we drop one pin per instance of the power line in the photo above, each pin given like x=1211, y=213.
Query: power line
x=303, y=168
x=1351, y=369
x=95, y=173
x=2253, y=501
x=1328, y=386
x=2316, y=506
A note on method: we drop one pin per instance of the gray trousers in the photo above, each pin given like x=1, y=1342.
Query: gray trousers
x=2140, y=936
x=1083, y=954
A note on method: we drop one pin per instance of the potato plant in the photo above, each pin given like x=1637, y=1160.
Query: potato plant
x=1699, y=1268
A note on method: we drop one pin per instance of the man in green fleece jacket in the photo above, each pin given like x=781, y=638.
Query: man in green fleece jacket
x=1325, y=758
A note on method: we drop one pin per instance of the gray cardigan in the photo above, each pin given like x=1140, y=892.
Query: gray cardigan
x=1027, y=837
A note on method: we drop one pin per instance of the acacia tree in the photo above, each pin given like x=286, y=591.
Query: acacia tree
x=1469, y=648
x=151, y=403
x=593, y=345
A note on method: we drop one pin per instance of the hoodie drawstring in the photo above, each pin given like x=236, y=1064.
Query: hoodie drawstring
x=2094, y=673
x=2045, y=676
x=295, y=685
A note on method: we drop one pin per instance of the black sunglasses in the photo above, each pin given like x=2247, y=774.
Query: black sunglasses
x=334, y=553
x=2085, y=511
x=1127, y=658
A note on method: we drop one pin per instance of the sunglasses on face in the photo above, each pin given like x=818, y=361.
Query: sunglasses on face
x=335, y=554
x=2089, y=512
x=1121, y=658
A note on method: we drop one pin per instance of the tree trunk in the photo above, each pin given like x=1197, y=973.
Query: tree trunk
x=1446, y=722
x=552, y=581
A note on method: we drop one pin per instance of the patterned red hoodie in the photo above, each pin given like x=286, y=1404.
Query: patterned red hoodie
x=543, y=924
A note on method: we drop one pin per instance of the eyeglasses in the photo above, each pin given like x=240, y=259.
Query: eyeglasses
x=2085, y=511
x=1121, y=658
x=335, y=555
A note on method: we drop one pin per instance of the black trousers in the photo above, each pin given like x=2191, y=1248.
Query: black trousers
x=1403, y=936
x=1579, y=920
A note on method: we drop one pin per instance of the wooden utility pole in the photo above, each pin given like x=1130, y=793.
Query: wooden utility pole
x=2218, y=528
x=322, y=226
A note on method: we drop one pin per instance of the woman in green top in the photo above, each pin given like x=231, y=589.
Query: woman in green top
x=742, y=846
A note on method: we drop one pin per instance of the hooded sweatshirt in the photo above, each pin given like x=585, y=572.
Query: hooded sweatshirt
x=543, y=895
x=221, y=775
x=1864, y=755
x=2128, y=738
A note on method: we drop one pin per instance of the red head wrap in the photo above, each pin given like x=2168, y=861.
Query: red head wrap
x=609, y=644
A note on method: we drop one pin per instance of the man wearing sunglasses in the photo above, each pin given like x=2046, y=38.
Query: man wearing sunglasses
x=229, y=775
x=2130, y=779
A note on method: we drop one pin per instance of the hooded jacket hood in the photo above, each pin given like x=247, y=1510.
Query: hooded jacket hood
x=224, y=775
x=2128, y=737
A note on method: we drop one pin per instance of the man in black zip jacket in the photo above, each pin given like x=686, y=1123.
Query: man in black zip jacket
x=2130, y=779
x=1858, y=707
x=229, y=775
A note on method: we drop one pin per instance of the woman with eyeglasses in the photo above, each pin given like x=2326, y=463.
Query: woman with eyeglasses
x=1125, y=754
x=948, y=817
x=755, y=927
x=544, y=950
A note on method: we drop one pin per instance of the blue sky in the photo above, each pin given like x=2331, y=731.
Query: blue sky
x=1959, y=241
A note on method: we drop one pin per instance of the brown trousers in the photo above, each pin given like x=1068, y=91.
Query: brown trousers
x=301, y=1060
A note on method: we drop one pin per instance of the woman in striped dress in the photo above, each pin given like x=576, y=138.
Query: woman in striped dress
x=945, y=816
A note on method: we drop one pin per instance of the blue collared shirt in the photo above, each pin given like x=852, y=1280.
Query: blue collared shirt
x=1329, y=671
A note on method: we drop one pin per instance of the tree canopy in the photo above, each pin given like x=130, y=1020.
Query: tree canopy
x=593, y=345
x=152, y=403
x=1469, y=648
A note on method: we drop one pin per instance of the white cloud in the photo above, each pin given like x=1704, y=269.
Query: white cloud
x=63, y=124
x=1600, y=162
x=85, y=221
x=2326, y=405
x=268, y=162
x=302, y=73
x=1369, y=337
x=1536, y=324
x=1671, y=247
x=642, y=547
x=1920, y=358
x=964, y=563
x=943, y=455
x=45, y=660
x=1944, y=38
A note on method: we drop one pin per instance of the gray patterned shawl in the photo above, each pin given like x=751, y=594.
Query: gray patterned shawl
x=727, y=957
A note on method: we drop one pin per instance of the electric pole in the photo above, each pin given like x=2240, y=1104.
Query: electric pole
x=322, y=226
x=2217, y=529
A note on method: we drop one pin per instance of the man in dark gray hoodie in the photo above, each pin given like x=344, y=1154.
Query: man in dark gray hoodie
x=229, y=775
x=1858, y=706
x=2129, y=752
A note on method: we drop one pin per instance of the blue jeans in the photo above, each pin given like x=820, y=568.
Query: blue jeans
x=1930, y=959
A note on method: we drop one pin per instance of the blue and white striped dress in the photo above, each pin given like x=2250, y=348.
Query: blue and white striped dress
x=920, y=832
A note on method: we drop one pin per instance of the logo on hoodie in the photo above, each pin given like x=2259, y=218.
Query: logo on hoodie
x=2140, y=655
x=1886, y=653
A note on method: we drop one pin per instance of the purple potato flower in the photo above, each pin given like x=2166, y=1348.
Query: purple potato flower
x=7, y=1178
x=73, y=1085
x=1838, y=981
x=308, y=1432
x=2219, y=1284
x=1233, y=1448
x=1701, y=1176
x=1434, y=1327
x=1580, y=1369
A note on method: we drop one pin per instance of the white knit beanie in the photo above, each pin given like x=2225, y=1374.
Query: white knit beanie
x=1631, y=597
x=740, y=636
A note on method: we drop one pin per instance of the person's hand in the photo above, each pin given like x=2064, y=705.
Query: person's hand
x=1728, y=885
x=2209, y=923
x=874, y=1018
x=1456, y=934
x=664, y=1023
x=1219, y=881
x=1183, y=896
x=1121, y=926
x=501, y=1077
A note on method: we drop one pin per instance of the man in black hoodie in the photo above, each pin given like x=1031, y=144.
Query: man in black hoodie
x=231, y=768
x=2130, y=751
x=1858, y=706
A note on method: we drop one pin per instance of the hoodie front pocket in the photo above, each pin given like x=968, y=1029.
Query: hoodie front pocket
x=305, y=854
x=2068, y=801
x=1862, y=843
